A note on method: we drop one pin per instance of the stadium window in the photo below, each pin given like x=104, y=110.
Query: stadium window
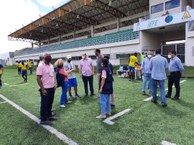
x=172, y=4
x=157, y=8
x=191, y=26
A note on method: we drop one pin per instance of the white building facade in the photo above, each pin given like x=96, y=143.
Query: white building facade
x=165, y=21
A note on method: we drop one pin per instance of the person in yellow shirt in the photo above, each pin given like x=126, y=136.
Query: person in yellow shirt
x=133, y=61
x=30, y=66
x=19, y=67
x=1, y=73
x=24, y=71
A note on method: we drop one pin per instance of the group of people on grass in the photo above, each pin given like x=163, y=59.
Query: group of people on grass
x=23, y=67
x=153, y=68
x=66, y=79
x=154, y=71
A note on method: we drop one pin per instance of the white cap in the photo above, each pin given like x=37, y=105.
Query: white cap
x=69, y=56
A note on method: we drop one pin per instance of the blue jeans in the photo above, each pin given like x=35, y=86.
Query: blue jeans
x=162, y=90
x=146, y=78
x=64, y=98
x=105, y=104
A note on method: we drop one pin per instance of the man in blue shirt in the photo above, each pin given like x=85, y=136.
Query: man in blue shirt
x=146, y=72
x=158, y=65
x=176, y=69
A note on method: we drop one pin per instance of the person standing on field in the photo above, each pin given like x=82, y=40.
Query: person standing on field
x=146, y=72
x=47, y=84
x=133, y=61
x=86, y=71
x=24, y=72
x=106, y=89
x=158, y=66
x=98, y=63
x=176, y=70
x=72, y=81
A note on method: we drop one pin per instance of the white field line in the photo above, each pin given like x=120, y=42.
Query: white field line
x=15, y=85
x=3, y=102
x=180, y=83
x=150, y=98
x=109, y=120
x=167, y=143
x=52, y=130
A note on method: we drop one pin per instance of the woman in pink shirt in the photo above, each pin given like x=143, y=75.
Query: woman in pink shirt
x=62, y=81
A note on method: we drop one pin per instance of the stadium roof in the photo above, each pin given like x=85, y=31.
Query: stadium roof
x=76, y=15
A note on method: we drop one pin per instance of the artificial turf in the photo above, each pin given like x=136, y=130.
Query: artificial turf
x=147, y=124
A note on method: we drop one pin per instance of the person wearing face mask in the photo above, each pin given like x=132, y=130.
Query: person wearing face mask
x=47, y=84
x=146, y=72
x=176, y=69
x=72, y=81
x=86, y=71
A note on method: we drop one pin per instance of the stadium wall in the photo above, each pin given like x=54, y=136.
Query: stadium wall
x=112, y=49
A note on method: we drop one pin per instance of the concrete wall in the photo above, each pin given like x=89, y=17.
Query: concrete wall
x=171, y=11
x=149, y=41
x=113, y=49
x=189, y=47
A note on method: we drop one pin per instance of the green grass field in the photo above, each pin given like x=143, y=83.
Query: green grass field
x=147, y=124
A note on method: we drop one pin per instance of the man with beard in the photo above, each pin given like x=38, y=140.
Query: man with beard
x=72, y=81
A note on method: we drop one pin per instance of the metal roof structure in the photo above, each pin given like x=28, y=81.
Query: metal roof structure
x=77, y=15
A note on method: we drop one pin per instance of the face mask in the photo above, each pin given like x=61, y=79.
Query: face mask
x=169, y=56
x=149, y=56
x=48, y=59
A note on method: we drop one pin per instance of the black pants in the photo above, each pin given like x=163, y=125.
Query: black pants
x=174, y=78
x=85, y=81
x=46, y=104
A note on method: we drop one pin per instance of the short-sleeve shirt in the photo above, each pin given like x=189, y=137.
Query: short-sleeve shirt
x=69, y=66
x=1, y=69
x=29, y=64
x=23, y=67
x=47, y=73
x=86, y=66
x=133, y=60
x=103, y=74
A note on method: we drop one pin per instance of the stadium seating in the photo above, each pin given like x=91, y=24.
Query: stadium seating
x=120, y=36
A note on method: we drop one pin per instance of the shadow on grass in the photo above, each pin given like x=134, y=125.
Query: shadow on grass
x=186, y=104
x=171, y=111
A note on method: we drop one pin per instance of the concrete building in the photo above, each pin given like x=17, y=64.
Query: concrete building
x=118, y=28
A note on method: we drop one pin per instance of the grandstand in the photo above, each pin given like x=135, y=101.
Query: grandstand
x=117, y=27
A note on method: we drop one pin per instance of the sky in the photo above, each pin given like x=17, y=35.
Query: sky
x=15, y=14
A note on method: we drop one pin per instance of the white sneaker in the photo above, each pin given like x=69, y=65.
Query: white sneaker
x=62, y=106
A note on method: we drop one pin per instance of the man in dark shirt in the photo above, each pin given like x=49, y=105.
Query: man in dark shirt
x=98, y=62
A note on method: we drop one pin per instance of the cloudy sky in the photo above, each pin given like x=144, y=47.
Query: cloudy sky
x=16, y=13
